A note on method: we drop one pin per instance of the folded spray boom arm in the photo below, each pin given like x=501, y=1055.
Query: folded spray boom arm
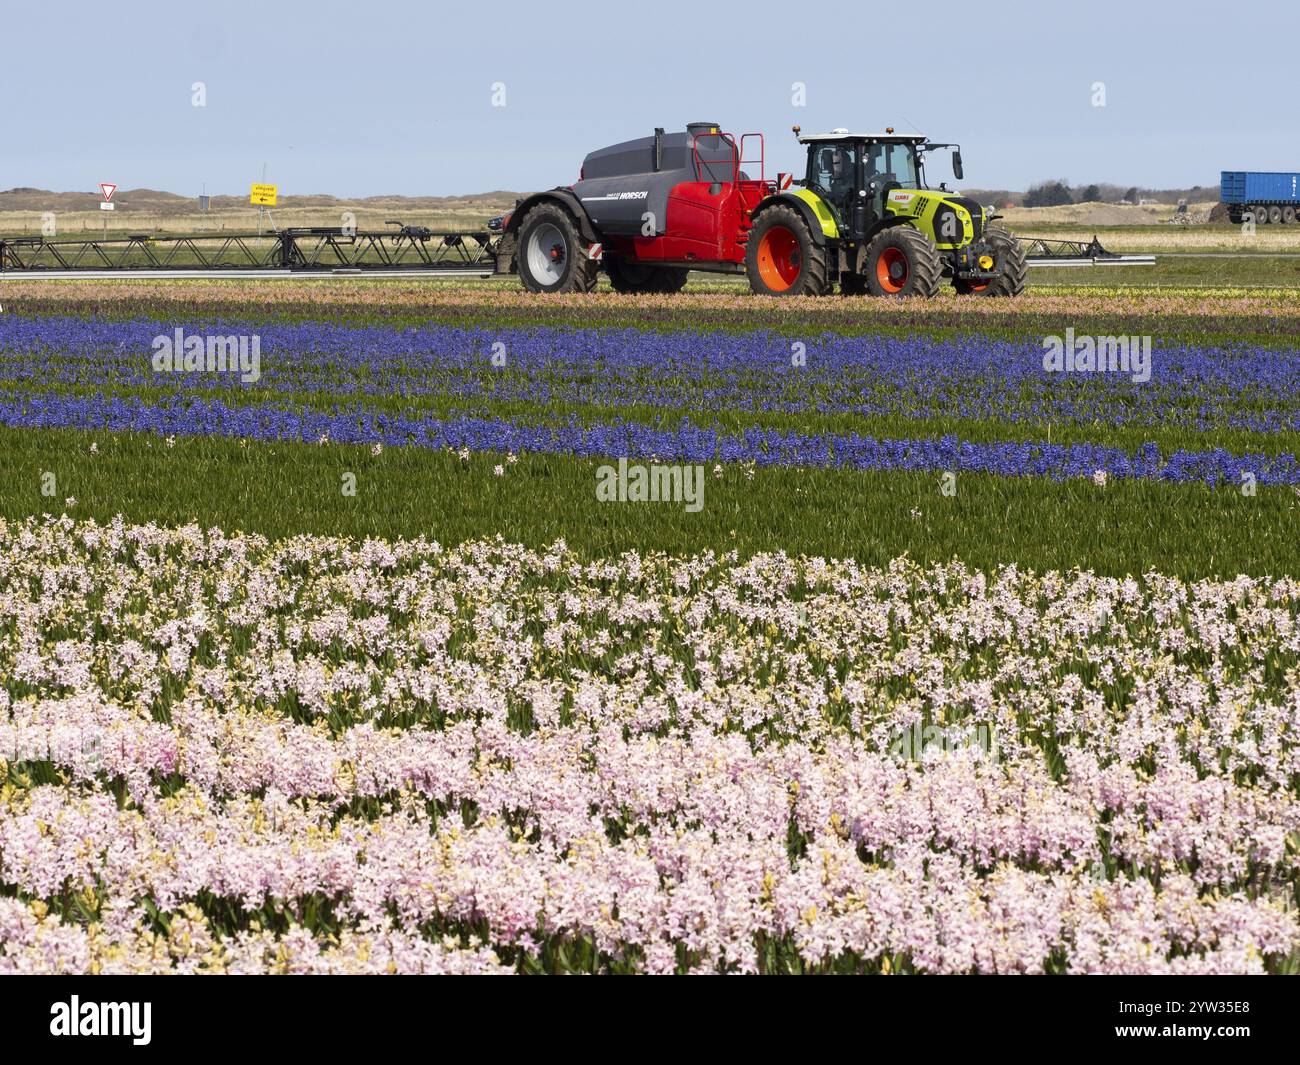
x=1040, y=251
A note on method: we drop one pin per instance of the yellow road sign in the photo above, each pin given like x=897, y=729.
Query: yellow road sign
x=262, y=196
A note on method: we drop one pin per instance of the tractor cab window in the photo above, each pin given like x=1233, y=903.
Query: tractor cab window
x=831, y=170
x=887, y=163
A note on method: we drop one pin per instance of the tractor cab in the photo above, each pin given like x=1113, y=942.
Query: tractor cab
x=854, y=173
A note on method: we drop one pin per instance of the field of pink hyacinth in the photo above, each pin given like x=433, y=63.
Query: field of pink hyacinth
x=226, y=753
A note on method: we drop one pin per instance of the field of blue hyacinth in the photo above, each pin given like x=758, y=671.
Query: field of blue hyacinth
x=915, y=403
x=1195, y=434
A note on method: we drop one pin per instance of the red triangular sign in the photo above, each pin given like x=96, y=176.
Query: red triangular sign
x=107, y=190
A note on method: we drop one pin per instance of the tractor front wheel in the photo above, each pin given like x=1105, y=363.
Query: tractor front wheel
x=642, y=278
x=1008, y=259
x=782, y=259
x=902, y=262
x=550, y=252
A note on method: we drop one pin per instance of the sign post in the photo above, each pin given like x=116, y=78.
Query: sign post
x=107, y=189
x=262, y=196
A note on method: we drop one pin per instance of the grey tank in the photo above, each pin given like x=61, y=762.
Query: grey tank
x=626, y=194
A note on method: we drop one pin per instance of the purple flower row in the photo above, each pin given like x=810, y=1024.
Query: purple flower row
x=968, y=377
x=688, y=443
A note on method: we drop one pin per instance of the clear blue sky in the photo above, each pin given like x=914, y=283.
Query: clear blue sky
x=395, y=96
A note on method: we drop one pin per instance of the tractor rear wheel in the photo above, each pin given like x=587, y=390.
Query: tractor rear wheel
x=782, y=259
x=641, y=277
x=550, y=252
x=901, y=261
x=1009, y=260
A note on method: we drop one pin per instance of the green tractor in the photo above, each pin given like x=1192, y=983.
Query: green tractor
x=864, y=215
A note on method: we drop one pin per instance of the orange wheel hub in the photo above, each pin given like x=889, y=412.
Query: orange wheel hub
x=892, y=270
x=779, y=263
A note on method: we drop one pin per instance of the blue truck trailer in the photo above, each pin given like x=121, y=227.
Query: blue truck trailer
x=1266, y=196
